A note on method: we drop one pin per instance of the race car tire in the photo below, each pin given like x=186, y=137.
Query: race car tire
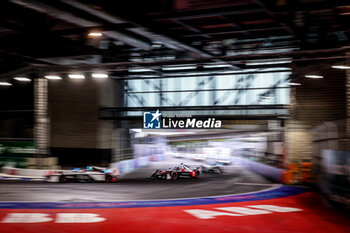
x=83, y=178
x=197, y=173
x=174, y=175
x=155, y=173
x=108, y=178
x=62, y=179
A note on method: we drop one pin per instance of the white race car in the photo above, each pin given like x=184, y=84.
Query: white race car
x=212, y=168
x=90, y=174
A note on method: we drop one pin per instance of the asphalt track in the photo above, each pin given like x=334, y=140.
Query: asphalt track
x=237, y=201
x=138, y=185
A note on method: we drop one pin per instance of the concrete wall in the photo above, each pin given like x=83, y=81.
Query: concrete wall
x=77, y=133
x=312, y=103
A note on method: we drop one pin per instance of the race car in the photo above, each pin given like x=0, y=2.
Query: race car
x=212, y=168
x=176, y=172
x=89, y=174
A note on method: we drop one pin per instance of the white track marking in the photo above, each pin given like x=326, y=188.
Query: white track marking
x=78, y=218
x=244, y=210
x=240, y=211
x=26, y=218
x=208, y=214
x=275, y=208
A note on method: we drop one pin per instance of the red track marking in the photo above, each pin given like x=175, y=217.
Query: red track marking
x=314, y=217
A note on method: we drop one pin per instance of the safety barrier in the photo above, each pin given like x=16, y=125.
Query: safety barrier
x=270, y=172
x=27, y=172
x=126, y=166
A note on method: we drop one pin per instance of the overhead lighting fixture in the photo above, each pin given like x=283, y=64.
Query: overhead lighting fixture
x=313, y=76
x=180, y=68
x=135, y=70
x=95, y=34
x=99, y=75
x=342, y=67
x=22, y=79
x=217, y=66
x=157, y=44
x=344, y=10
x=5, y=84
x=52, y=77
x=268, y=63
x=76, y=76
x=294, y=84
x=144, y=76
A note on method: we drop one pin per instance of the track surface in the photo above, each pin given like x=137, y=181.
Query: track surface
x=89, y=207
x=138, y=186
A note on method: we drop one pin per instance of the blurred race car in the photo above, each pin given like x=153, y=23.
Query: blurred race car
x=208, y=168
x=89, y=174
x=176, y=172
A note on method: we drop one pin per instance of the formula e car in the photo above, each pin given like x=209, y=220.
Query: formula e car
x=89, y=174
x=212, y=168
x=176, y=172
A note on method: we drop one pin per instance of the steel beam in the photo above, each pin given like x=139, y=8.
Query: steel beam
x=292, y=55
x=234, y=32
x=68, y=17
x=217, y=117
x=196, y=108
x=210, y=14
x=169, y=42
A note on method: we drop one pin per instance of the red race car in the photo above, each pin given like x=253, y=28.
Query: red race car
x=176, y=172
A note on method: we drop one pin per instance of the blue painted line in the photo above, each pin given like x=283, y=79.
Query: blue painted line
x=16, y=178
x=282, y=191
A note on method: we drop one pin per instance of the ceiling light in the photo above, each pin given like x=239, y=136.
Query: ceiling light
x=313, y=76
x=99, y=75
x=294, y=84
x=76, y=76
x=144, y=76
x=341, y=67
x=268, y=63
x=140, y=70
x=217, y=66
x=179, y=68
x=22, y=79
x=156, y=45
x=95, y=34
x=53, y=77
x=5, y=84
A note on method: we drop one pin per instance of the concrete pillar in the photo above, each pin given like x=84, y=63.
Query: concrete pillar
x=41, y=127
x=348, y=102
x=298, y=141
x=312, y=103
x=121, y=142
x=78, y=136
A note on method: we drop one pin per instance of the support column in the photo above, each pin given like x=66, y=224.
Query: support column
x=121, y=138
x=314, y=102
x=41, y=127
x=348, y=99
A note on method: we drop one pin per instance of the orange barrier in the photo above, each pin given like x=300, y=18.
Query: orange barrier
x=287, y=177
x=306, y=172
x=298, y=173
